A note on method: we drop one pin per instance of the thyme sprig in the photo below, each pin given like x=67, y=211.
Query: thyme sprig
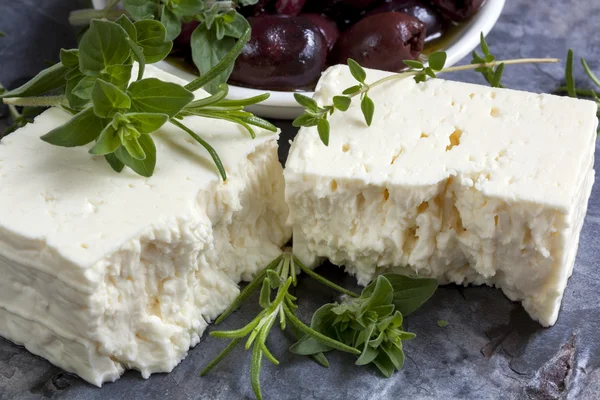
x=316, y=115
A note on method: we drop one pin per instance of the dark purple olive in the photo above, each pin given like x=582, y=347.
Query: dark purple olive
x=283, y=53
x=327, y=27
x=289, y=7
x=458, y=10
x=345, y=13
x=382, y=41
x=421, y=10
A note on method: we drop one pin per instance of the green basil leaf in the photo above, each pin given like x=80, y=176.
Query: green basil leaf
x=133, y=147
x=381, y=294
x=323, y=130
x=368, y=354
x=118, y=75
x=114, y=162
x=184, y=8
x=82, y=129
x=141, y=9
x=151, y=37
x=102, y=45
x=128, y=26
x=357, y=71
x=155, y=96
x=142, y=167
x=75, y=102
x=83, y=89
x=437, y=60
x=237, y=27
x=207, y=52
x=414, y=64
x=108, y=142
x=47, y=80
x=69, y=58
x=342, y=103
x=146, y=123
x=368, y=109
x=108, y=99
x=396, y=355
x=409, y=293
x=306, y=102
x=171, y=23
x=384, y=364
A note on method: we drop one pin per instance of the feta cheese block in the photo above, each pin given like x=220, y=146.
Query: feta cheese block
x=103, y=272
x=463, y=183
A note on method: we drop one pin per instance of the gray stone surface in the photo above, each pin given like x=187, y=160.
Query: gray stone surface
x=490, y=349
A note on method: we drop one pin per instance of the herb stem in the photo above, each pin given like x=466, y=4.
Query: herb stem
x=466, y=67
x=42, y=101
x=83, y=17
x=323, y=280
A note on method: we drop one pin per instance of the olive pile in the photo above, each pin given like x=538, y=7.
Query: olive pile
x=293, y=41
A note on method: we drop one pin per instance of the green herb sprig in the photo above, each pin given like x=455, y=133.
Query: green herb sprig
x=368, y=325
x=316, y=115
x=93, y=83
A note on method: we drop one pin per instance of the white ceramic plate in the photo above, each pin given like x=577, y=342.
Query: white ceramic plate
x=282, y=105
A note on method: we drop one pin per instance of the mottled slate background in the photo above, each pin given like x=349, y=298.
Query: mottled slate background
x=490, y=349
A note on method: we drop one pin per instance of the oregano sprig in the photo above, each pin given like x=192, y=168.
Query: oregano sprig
x=368, y=325
x=118, y=114
x=317, y=115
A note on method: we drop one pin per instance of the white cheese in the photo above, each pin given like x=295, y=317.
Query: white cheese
x=463, y=183
x=103, y=272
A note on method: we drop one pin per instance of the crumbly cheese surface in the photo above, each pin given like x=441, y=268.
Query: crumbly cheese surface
x=103, y=272
x=464, y=183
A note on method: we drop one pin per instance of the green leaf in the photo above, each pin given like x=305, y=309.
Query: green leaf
x=129, y=27
x=381, y=294
x=132, y=144
x=69, y=58
x=352, y=89
x=107, y=143
x=171, y=22
x=274, y=279
x=589, y=72
x=187, y=7
x=155, y=96
x=429, y=71
x=495, y=81
x=47, y=80
x=255, y=366
x=151, y=37
x=342, y=103
x=118, y=75
x=208, y=52
x=138, y=55
x=83, y=89
x=570, y=81
x=369, y=353
x=237, y=27
x=396, y=355
x=323, y=129
x=82, y=129
x=114, y=162
x=146, y=123
x=415, y=64
x=357, y=71
x=305, y=120
x=141, y=9
x=442, y=323
x=321, y=320
x=484, y=45
x=437, y=60
x=409, y=293
x=142, y=167
x=219, y=73
x=265, y=294
x=384, y=364
x=368, y=109
x=306, y=102
x=75, y=102
x=108, y=99
x=102, y=45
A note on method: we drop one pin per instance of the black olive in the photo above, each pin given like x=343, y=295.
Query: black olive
x=458, y=10
x=419, y=9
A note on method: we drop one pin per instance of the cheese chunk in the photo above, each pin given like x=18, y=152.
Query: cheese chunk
x=463, y=183
x=103, y=272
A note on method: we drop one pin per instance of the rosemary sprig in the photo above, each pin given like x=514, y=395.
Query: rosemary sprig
x=118, y=116
x=486, y=64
